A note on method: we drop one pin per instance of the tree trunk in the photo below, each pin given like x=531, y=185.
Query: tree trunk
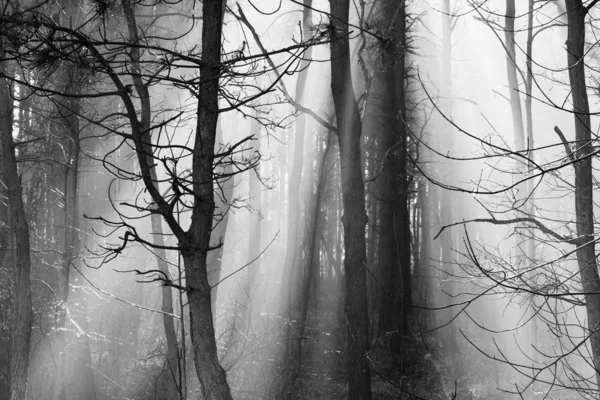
x=513, y=83
x=584, y=202
x=402, y=211
x=294, y=347
x=381, y=119
x=212, y=377
x=447, y=198
x=70, y=239
x=22, y=314
x=288, y=293
x=174, y=380
x=354, y=217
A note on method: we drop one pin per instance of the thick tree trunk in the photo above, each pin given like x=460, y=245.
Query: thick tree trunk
x=22, y=314
x=212, y=377
x=381, y=119
x=584, y=201
x=354, y=218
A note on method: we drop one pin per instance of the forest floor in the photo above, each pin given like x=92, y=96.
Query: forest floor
x=419, y=370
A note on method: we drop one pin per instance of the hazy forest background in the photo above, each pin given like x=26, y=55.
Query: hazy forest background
x=286, y=199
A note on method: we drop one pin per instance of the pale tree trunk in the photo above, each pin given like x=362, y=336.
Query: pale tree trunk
x=530, y=206
x=294, y=347
x=513, y=83
x=22, y=313
x=254, y=231
x=288, y=291
x=175, y=384
x=354, y=217
x=70, y=239
x=584, y=201
x=524, y=246
x=69, y=109
x=220, y=225
x=446, y=198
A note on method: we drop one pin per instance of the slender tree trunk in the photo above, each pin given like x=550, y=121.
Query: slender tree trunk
x=354, y=217
x=513, y=82
x=584, y=201
x=22, y=314
x=530, y=206
x=425, y=239
x=254, y=231
x=294, y=349
x=402, y=211
x=175, y=384
x=289, y=291
x=289, y=294
x=446, y=198
x=71, y=227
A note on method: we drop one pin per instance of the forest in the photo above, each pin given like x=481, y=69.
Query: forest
x=299, y=199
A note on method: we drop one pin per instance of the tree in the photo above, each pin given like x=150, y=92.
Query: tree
x=354, y=219
x=22, y=317
x=175, y=380
x=584, y=195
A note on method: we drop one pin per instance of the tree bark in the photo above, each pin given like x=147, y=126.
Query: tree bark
x=354, y=217
x=194, y=243
x=402, y=211
x=22, y=315
x=584, y=202
x=381, y=117
x=212, y=376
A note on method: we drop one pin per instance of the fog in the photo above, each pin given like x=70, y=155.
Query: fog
x=165, y=268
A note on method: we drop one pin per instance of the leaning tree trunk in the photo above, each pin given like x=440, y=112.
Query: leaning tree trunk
x=584, y=201
x=175, y=384
x=354, y=218
x=22, y=314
